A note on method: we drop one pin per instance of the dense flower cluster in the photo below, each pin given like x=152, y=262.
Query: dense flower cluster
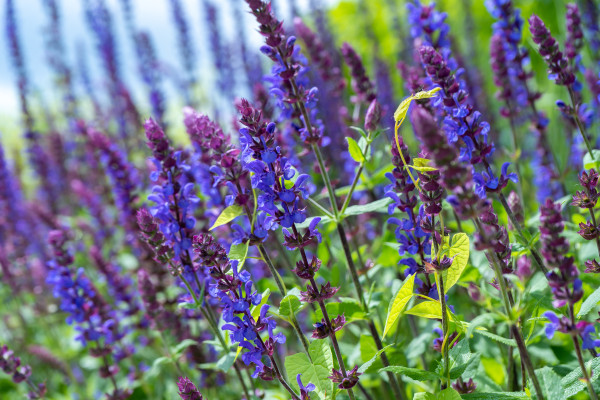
x=564, y=281
x=238, y=298
x=11, y=365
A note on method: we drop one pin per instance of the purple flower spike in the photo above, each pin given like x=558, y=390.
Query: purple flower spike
x=558, y=66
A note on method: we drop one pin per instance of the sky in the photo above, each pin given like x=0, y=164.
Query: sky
x=151, y=15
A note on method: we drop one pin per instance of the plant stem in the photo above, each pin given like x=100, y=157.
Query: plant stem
x=594, y=222
x=280, y=284
x=513, y=327
x=513, y=131
x=445, y=329
x=534, y=253
x=356, y=176
x=580, y=126
x=584, y=371
x=398, y=392
x=325, y=176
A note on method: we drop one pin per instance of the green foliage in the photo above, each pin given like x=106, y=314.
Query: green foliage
x=314, y=370
x=227, y=215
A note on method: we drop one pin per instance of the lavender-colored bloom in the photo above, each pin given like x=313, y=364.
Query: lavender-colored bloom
x=119, y=283
x=123, y=178
x=591, y=17
x=18, y=64
x=347, y=382
x=11, y=365
x=186, y=50
x=361, y=84
x=574, y=41
x=187, y=389
x=564, y=281
x=148, y=68
x=413, y=239
x=219, y=51
x=288, y=85
x=509, y=28
x=271, y=171
x=237, y=297
x=250, y=61
x=558, y=66
x=55, y=50
x=304, y=390
x=173, y=195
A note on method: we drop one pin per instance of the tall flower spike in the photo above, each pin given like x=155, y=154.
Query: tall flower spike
x=563, y=279
x=235, y=291
x=558, y=66
x=574, y=41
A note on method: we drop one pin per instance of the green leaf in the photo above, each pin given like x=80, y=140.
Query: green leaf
x=402, y=297
x=187, y=306
x=402, y=109
x=422, y=165
x=460, y=251
x=464, y=363
x=239, y=252
x=226, y=362
x=509, y=342
x=290, y=305
x=315, y=372
x=228, y=215
x=588, y=163
x=572, y=382
x=589, y=303
x=180, y=347
x=363, y=368
x=496, y=396
x=413, y=373
x=350, y=307
x=376, y=206
x=448, y=394
x=354, y=150
x=427, y=309
x=550, y=383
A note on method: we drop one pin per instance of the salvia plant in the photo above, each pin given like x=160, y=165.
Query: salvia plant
x=385, y=199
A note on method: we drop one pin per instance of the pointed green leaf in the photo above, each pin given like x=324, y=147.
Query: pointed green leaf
x=354, y=150
x=550, y=383
x=427, y=309
x=589, y=303
x=228, y=215
x=460, y=251
x=588, y=163
x=366, y=365
x=413, y=373
x=379, y=205
x=290, y=305
x=238, y=252
x=572, y=382
x=402, y=297
x=496, y=396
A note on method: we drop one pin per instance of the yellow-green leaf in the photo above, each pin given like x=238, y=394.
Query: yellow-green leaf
x=354, y=150
x=460, y=251
x=427, y=309
x=400, y=300
x=424, y=168
x=228, y=215
x=238, y=252
x=402, y=109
